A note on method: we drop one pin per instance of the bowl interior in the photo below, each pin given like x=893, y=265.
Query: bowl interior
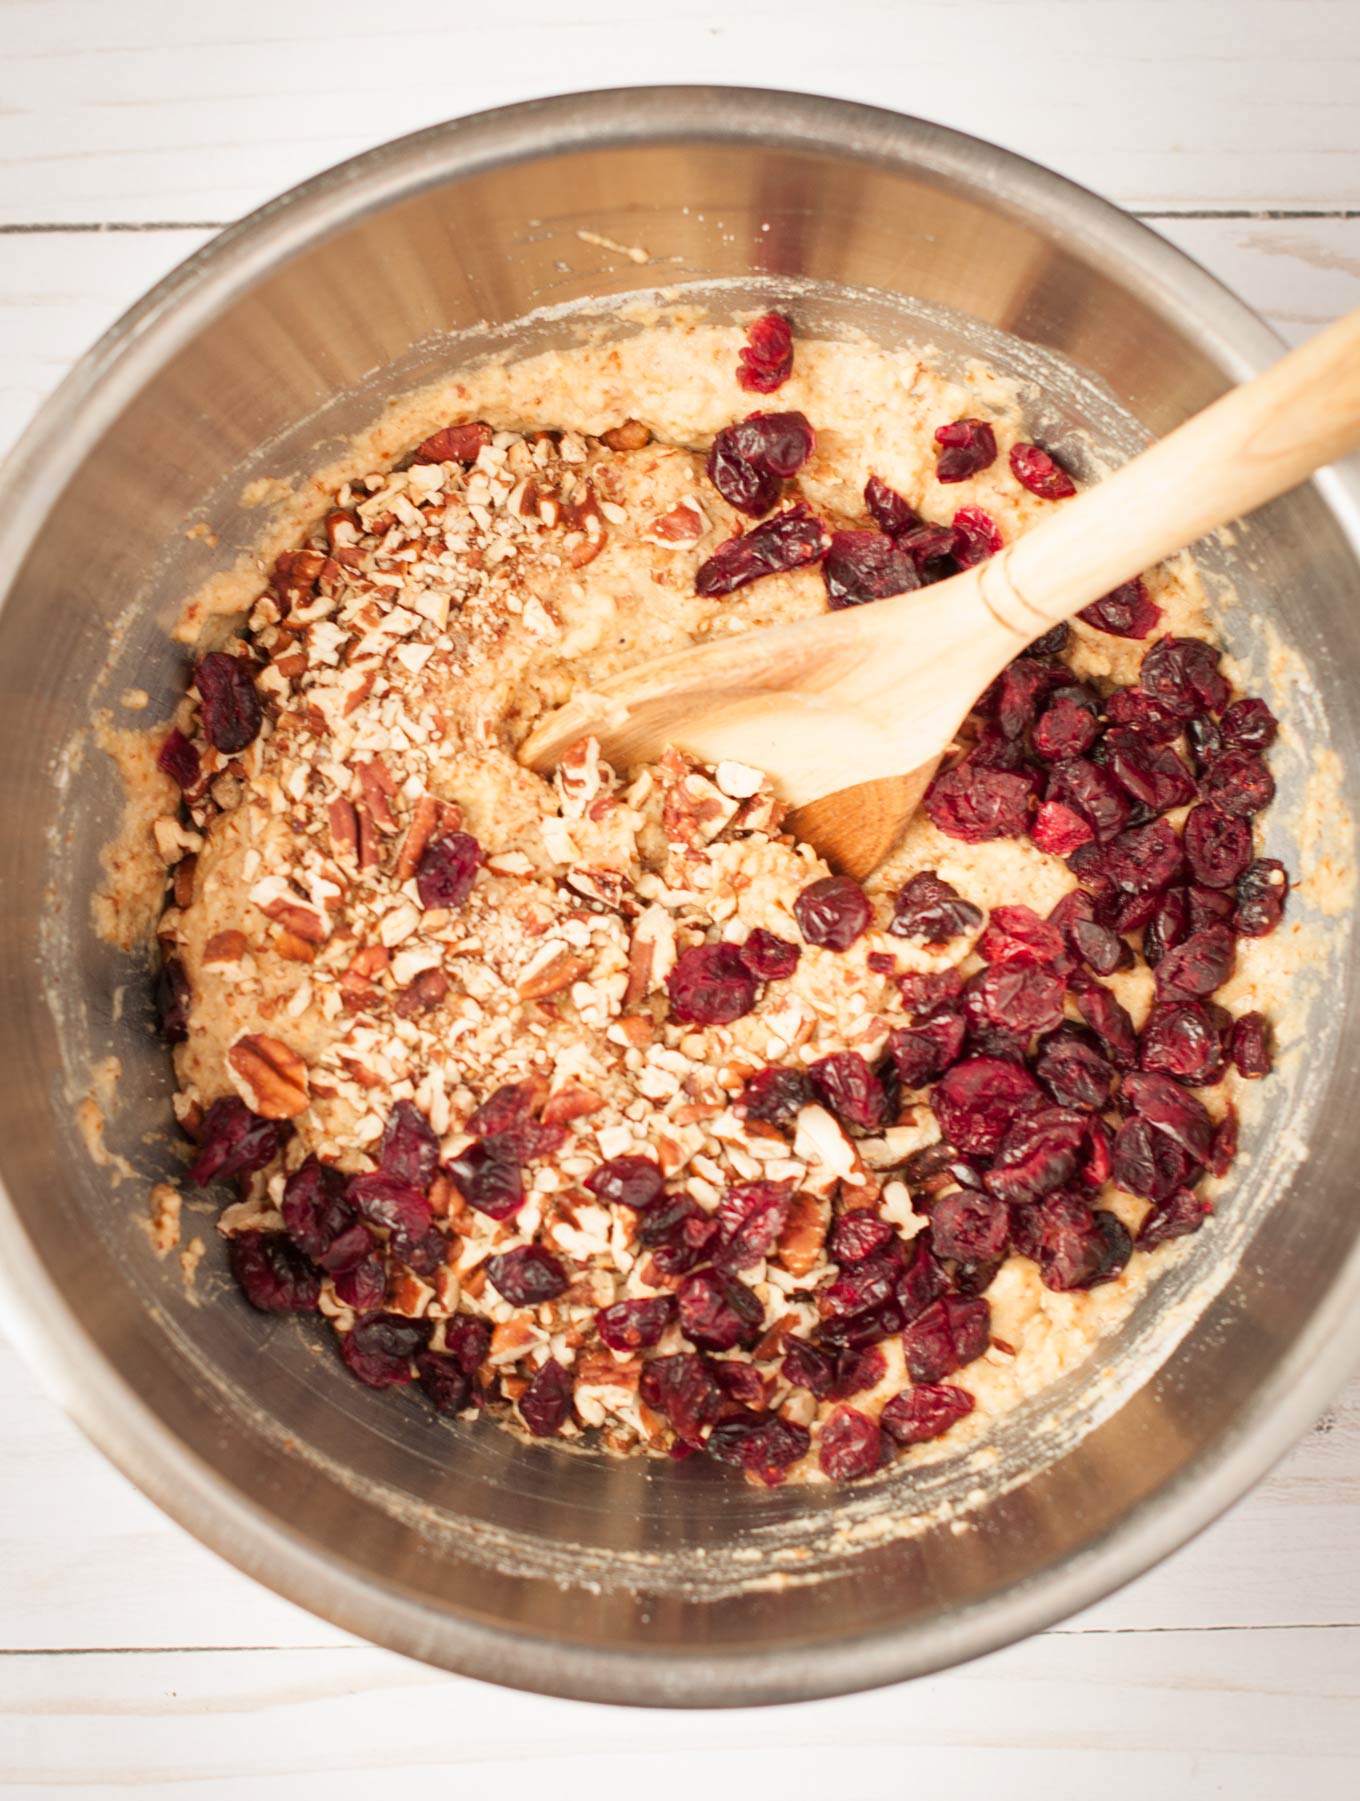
x=533, y=1564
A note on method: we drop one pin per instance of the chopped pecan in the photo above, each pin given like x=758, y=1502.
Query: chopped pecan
x=375, y=779
x=296, y=949
x=343, y=529
x=296, y=573
x=297, y=916
x=684, y=524
x=610, y=887
x=601, y=1369
x=631, y=435
x=570, y=1102
x=271, y=1077
x=185, y=871
x=511, y=1338
x=225, y=947
x=455, y=443
x=424, y=817
x=370, y=851
x=804, y=1234
x=422, y=995
x=344, y=827
x=551, y=977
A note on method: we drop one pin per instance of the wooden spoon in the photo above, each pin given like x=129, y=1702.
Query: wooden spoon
x=849, y=712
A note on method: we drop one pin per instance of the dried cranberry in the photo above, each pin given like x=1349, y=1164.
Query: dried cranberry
x=832, y=912
x=925, y=1412
x=364, y=1287
x=1064, y=729
x=978, y=804
x=682, y=1389
x=1145, y=859
x=1017, y=934
x=319, y=1218
x=1036, y=470
x=765, y=361
x=850, y=1445
x=1225, y=1144
x=1091, y=791
x=488, y=1177
x=1142, y=714
x=922, y=1052
x=234, y=1141
x=173, y=998
x=1059, y=831
x=929, y=909
x=752, y=1216
x=763, y=1445
x=1261, y=893
x=1081, y=1256
x=629, y=1181
x=806, y=1367
x=1127, y=611
x=527, y=1275
x=976, y=537
x=969, y=1227
x=1164, y=1104
x=1168, y=927
x=447, y=870
x=378, y=1349
x=635, y=1325
x=1239, y=782
x=1019, y=997
x=1109, y=1021
x=931, y=548
x=925, y=993
x=717, y=1312
x=1251, y=1045
x=864, y=566
x=273, y=1274
x=1182, y=1212
x=1150, y=773
x=1099, y=946
x=967, y=446
x=1149, y=1163
x=229, y=704
x=545, y=1405
x=385, y=1200
x=768, y=957
x=1249, y=725
x=789, y=540
x=951, y=1332
x=1182, y=675
x=468, y=1341
x=1180, y=1039
x=444, y=1381
x=1205, y=741
x=776, y=1094
x=1039, y=1154
x=976, y=1101
x=1073, y=1069
x=857, y=1235
x=1217, y=846
x=178, y=759
x=750, y=461
x=710, y=985
x=1019, y=692
x=891, y=513
x=408, y=1148
x=1196, y=967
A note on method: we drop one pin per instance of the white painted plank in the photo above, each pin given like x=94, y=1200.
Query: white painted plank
x=86, y=1561
x=60, y=290
x=1167, y=1714
x=157, y=110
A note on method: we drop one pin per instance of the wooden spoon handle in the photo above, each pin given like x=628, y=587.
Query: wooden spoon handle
x=1255, y=443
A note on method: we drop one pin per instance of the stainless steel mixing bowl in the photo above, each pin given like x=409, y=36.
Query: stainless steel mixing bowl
x=624, y=1581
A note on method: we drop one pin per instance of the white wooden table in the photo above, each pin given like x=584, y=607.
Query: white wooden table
x=130, y=1658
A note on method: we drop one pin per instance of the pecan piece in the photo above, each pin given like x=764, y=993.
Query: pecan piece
x=296, y=949
x=804, y=1234
x=684, y=524
x=375, y=779
x=185, y=871
x=225, y=947
x=631, y=435
x=552, y=977
x=455, y=443
x=570, y=1102
x=424, y=818
x=272, y=1079
x=422, y=995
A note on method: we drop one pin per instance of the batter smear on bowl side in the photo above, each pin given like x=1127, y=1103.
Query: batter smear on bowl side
x=602, y=1104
